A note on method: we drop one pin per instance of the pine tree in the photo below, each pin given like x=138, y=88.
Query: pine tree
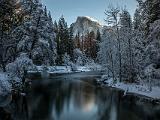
x=71, y=43
x=137, y=22
x=55, y=27
x=98, y=36
x=92, y=45
x=7, y=24
x=127, y=46
x=150, y=12
x=64, y=40
x=77, y=39
x=45, y=11
x=37, y=35
x=98, y=40
x=125, y=19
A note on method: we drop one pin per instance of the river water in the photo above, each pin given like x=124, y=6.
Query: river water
x=78, y=97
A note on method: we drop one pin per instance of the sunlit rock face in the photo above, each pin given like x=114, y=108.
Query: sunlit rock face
x=85, y=24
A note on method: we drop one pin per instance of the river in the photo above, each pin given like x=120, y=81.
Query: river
x=78, y=97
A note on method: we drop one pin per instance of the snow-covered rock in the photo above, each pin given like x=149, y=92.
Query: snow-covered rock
x=85, y=24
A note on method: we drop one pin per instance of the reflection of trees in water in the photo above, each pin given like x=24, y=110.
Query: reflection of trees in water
x=82, y=95
x=107, y=103
x=73, y=93
x=42, y=109
x=125, y=108
x=16, y=110
x=62, y=94
x=4, y=115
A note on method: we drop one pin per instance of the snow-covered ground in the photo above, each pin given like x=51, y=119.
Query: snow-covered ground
x=133, y=88
x=62, y=69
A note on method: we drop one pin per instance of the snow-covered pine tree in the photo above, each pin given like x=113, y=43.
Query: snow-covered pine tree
x=107, y=54
x=126, y=37
x=137, y=21
x=55, y=27
x=149, y=12
x=38, y=37
x=113, y=19
x=8, y=20
x=125, y=19
x=148, y=40
x=66, y=59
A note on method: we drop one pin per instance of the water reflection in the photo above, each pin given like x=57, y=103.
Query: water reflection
x=79, y=98
x=74, y=100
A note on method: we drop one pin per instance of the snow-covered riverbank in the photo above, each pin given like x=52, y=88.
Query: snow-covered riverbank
x=132, y=88
x=63, y=69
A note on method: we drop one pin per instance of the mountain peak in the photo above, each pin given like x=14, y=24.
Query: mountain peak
x=91, y=19
x=85, y=24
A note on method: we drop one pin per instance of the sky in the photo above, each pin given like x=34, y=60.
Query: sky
x=71, y=9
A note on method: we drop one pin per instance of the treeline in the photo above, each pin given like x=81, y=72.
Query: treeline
x=64, y=40
x=68, y=43
x=88, y=43
x=26, y=27
x=129, y=50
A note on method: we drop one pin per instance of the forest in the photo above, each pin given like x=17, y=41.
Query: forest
x=125, y=51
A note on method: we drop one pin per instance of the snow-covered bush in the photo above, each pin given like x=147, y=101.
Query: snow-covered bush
x=17, y=69
x=79, y=56
x=92, y=65
x=77, y=53
x=5, y=86
x=66, y=59
x=74, y=67
x=79, y=61
x=5, y=90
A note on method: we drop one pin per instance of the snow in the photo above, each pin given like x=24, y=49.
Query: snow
x=62, y=69
x=16, y=70
x=83, y=69
x=135, y=89
x=52, y=69
x=92, y=19
x=59, y=69
x=85, y=24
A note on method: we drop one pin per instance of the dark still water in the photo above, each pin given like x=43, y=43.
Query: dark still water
x=78, y=97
